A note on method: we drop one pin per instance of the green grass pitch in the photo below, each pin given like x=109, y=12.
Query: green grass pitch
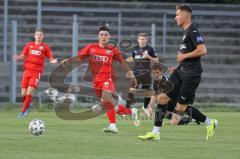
x=85, y=139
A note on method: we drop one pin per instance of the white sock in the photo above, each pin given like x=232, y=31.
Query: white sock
x=113, y=126
x=156, y=130
x=207, y=121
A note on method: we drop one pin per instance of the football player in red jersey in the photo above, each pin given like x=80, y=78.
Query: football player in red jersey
x=100, y=57
x=33, y=54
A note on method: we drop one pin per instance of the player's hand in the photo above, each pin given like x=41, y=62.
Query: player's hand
x=130, y=75
x=150, y=109
x=54, y=61
x=145, y=55
x=133, y=82
x=65, y=61
x=172, y=69
x=181, y=57
x=19, y=57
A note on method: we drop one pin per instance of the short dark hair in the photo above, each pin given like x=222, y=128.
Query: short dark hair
x=104, y=28
x=143, y=35
x=157, y=66
x=39, y=30
x=184, y=7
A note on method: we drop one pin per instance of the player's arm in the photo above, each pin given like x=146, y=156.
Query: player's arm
x=151, y=103
x=151, y=55
x=172, y=69
x=130, y=59
x=197, y=41
x=152, y=59
x=22, y=56
x=199, y=51
x=125, y=67
x=71, y=60
x=19, y=57
x=129, y=73
x=167, y=87
x=49, y=55
x=82, y=54
x=53, y=60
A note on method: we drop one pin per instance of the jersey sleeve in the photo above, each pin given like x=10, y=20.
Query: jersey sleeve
x=25, y=49
x=117, y=56
x=151, y=52
x=162, y=87
x=196, y=37
x=167, y=86
x=49, y=53
x=84, y=52
x=134, y=52
x=156, y=88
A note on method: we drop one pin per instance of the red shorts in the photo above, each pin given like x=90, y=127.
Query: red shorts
x=107, y=85
x=30, y=78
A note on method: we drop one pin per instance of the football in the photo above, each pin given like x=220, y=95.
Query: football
x=36, y=127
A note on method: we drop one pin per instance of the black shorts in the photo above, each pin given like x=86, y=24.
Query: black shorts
x=184, y=88
x=144, y=80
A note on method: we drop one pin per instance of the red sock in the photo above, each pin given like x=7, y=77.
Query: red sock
x=110, y=111
x=26, y=103
x=111, y=116
x=122, y=110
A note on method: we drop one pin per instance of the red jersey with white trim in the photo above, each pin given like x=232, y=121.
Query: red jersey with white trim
x=100, y=60
x=35, y=56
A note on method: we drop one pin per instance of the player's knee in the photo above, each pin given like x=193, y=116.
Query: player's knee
x=181, y=107
x=106, y=97
x=176, y=117
x=163, y=99
x=30, y=90
x=24, y=91
x=132, y=90
x=24, y=94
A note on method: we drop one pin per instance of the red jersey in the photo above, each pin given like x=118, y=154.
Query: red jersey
x=100, y=60
x=35, y=56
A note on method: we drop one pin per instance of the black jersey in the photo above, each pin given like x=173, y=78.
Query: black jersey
x=162, y=86
x=142, y=64
x=191, y=38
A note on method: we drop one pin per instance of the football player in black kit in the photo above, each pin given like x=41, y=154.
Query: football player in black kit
x=185, y=78
x=142, y=56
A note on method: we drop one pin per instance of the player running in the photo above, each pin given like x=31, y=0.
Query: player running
x=100, y=57
x=33, y=54
x=185, y=78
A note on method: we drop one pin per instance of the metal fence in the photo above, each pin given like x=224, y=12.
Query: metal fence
x=41, y=9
